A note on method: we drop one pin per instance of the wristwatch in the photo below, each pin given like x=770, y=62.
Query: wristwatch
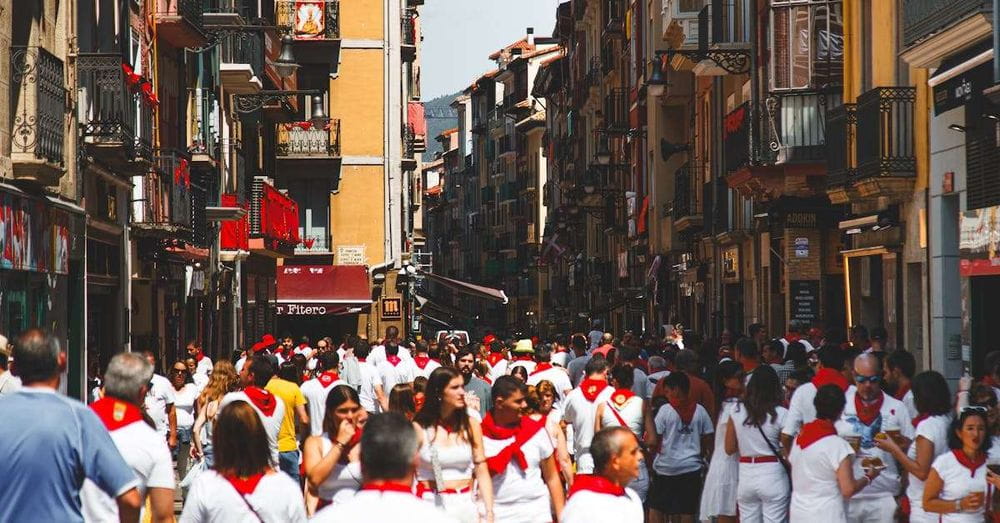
x=958, y=505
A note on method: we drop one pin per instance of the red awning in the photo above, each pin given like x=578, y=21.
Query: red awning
x=321, y=290
x=415, y=116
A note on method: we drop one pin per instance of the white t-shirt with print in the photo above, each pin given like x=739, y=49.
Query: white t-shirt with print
x=159, y=396
x=894, y=417
x=212, y=498
x=272, y=423
x=680, y=448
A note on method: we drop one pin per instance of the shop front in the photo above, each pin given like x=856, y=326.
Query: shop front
x=321, y=300
x=979, y=266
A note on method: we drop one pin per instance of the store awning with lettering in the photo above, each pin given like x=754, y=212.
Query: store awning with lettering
x=322, y=290
x=962, y=77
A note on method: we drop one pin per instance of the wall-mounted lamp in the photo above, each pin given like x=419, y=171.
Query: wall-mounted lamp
x=958, y=128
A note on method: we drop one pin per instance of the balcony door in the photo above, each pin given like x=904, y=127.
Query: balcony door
x=313, y=197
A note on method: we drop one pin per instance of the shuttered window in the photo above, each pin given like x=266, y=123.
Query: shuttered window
x=982, y=157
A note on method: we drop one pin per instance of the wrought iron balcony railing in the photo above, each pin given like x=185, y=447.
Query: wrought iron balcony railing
x=39, y=106
x=885, y=132
x=112, y=113
x=308, y=20
x=165, y=193
x=306, y=140
x=313, y=243
x=794, y=126
x=841, y=129
x=181, y=22
x=243, y=47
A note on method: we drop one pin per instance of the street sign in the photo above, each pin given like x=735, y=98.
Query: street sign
x=392, y=308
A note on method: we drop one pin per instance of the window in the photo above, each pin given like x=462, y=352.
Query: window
x=313, y=197
x=807, y=43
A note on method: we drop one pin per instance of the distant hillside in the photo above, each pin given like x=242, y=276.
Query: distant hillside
x=440, y=117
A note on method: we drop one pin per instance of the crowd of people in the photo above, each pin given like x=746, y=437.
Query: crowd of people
x=583, y=428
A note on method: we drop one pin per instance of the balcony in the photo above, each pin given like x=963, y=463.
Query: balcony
x=314, y=244
x=274, y=222
x=234, y=235
x=179, y=22
x=241, y=61
x=841, y=166
x=796, y=132
x=887, y=162
x=116, y=122
x=307, y=141
x=203, y=132
x=680, y=23
x=161, y=204
x=723, y=38
x=412, y=142
x=410, y=36
x=315, y=26
x=686, y=214
x=38, y=107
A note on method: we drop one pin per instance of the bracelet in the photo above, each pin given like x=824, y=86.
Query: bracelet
x=339, y=445
x=958, y=505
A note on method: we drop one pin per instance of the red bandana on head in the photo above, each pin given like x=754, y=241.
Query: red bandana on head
x=591, y=388
x=541, y=367
x=245, y=486
x=262, y=399
x=970, y=464
x=327, y=378
x=593, y=483
x=494, y=358
x=830, y=377
x=422, y=361
x=115, y=413
x=524, y=430
x=814, y=431
x=868, y=413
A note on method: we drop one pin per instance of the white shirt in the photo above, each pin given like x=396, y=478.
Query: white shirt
x=517, y=485
x=272, y=423
x=315, y=394
x=959, y=482
x=651, y=381
x=748, y=437
x=934, y=429
x=370, y=378
x=157, y=399
x=815, y=492
x=200, y=380
x=560, y=359
x=801, y=409
x=630, y=413
x=393, y=375
x=528, y=365
x=373, y=505
x=184, y=405
x=9, y=383
x=148, y=455
x=556, y=376
x=377, y=354
x=204, y=367
x=426, y=371
x=680, y=447
x=306, y=351
x=591, y=507
x=911, y=404
x=342, y=482
x=894, y=417
x=500, y=369
x=212, y=498
x=581, y=414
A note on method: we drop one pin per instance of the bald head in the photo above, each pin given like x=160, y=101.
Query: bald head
x=867, y=365
x=867, y=375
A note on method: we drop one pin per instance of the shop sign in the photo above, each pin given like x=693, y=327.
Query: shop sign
x=979, y=242
x=800, y=220
x=351, y=255
x=299, y=309
x=731, y=263
x=958, y=91
x=33, y=236
x=392, y=308
x=801, y=247
x=804, y=297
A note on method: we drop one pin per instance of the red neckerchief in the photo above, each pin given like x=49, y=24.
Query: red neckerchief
x=245, y=486
x=523, y=357
x=362, y=360
x=749, y=366
x=327, y=378
x=901, y=392
x=541, y=367
x=494, y=358
x=916, y=421
x=303, y=346
x=422, y=361
x=355, y=439
x=198, y=356
x=685, y=410
x=525, y=429
x=988, y=380
x=827, y=376
x=593, y=483
x=867, y=414
x=394, y=360
x=621, y=396
x=115, y=413
x=968, y=463
x=814, y=431
x=592, y=388
x=791, y=337
x=262, y=399
x=388, y=487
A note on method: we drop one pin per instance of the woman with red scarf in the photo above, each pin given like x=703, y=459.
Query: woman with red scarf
x=521, y=458
x=625, y=409
x=822, y=475
x=333, y=472
x=956, y=485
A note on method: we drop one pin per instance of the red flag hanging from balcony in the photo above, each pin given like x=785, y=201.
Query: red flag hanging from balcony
x=182, y=173
x=415, y=116
x=130, y=75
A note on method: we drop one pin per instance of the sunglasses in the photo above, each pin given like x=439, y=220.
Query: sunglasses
x=975, y=408
x=867, y=379
x=178, y=371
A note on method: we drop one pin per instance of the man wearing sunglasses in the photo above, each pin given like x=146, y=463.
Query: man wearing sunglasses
x=871, y=413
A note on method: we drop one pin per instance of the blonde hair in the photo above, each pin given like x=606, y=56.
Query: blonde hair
x=223, y=379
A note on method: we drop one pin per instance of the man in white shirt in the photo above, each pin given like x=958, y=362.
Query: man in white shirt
x=545, y=371
x=256, y=373
x=658, y=369
x=373, y=397
x=423, y=363
x=378, y=354
x=125, y=386
x=8, y=382
x=204, y=362
x=388, y=465
x=867, y=412
x=800, y=408
x=159, y=404
x=581, y=408
x=303, y=348
x=317, y=389
x=523, y=356
x=604, y=496
x=900, y=365
x=561, y=354
x=394, y=370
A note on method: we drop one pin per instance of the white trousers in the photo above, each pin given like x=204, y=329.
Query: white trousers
x=461, y=506
x=584, y=463
x=762, y=493
x=871, y=510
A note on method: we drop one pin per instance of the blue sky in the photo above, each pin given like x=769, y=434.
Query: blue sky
x=459, y=36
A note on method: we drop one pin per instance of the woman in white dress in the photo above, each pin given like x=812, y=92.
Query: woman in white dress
x=625, y=409
x=933, y=403
x=822, y=465
x=333, y=469
x=718, y=499
x=956, y=486
x=753, y=434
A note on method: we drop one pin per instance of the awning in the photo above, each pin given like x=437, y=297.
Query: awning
x=469, y=288
x=322, y=290
x=441, y=309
